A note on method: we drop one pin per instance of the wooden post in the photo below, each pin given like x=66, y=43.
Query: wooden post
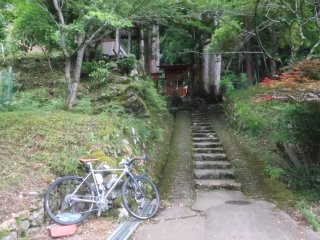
x=205, y=71
x=129, y=42
x=9, y=84
x=142, y=59
x=117, y=42
x=217, y=73
x=154, y=50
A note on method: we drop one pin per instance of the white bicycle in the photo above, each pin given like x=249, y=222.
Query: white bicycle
x=71, y=199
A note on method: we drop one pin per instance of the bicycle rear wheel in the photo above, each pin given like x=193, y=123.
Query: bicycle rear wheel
x=63, y=207
x=140, y=197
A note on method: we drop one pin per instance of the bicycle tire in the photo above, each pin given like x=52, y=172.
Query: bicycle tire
x=141, y=201
x=62, y=210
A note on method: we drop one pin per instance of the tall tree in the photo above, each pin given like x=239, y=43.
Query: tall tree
x=80, y=24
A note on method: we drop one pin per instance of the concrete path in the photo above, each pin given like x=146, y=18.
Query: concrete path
x=224, y=215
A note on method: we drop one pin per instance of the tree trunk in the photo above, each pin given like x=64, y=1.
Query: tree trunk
x=292, y=155
x=46, y=55
x=73, y=81
x=273, y=68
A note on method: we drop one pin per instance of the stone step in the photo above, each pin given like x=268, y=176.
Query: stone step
x=213, y=174
x=206, y=144
x=197, y=118
x=195, y=128
x=202, y=121
x=205, y=139
x=208, y=150
x=211, y=164
x=201, y=124
x=208, y=132
x=197, y=114
x=197, y=135
x=203, y=130
x=209, y=156
x=215, y=184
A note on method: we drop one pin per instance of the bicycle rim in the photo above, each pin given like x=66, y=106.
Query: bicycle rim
x=61, y=207
x=140, y=197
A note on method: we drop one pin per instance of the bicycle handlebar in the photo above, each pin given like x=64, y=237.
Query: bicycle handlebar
x=142, y=160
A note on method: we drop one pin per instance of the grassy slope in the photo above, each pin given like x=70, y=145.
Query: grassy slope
x=38, y=140
x=265, y=122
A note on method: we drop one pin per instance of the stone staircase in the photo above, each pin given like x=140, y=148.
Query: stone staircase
x=211, y=167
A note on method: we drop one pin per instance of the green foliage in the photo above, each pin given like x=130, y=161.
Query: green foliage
x=153, y=100
x=304, y=122
x=99, y=71
x=33, y=26
x=294, y=32
x=127, y=64
x=274, y=123
x=114, y=107
x=312, y=218
x=230, y=81
x=83, y=106
x=274, y=172
x=175, y=48
x=305, y=177
x=3, y=234
x=225, y=37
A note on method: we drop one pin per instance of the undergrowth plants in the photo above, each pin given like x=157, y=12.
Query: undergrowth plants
x=283, y=116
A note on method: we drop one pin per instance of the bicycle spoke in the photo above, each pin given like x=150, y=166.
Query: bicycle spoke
x=64, y=208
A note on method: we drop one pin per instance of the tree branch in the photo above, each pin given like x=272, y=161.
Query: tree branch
x=44, y=8
x=257, y=33
x=62, y=29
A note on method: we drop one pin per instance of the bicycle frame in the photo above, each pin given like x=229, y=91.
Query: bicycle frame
x=124, y=171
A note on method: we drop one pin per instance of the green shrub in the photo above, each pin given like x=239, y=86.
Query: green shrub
x=305, y=177
x=100, y=72
x=226, y=84
x=127, y=64
x=88, y=67
x=304, y=120
x=273, y=171
x=230, y=81
x=155, y=102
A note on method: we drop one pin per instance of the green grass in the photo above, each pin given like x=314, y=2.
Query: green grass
x=39, y=141
x=4, y=234
x=312, y=217
x=265, y=127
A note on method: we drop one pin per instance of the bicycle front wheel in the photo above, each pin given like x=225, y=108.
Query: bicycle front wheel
x=140, y=197
x=65, y=206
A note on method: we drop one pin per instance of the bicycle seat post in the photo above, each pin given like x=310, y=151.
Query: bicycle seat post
x=90, y=166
